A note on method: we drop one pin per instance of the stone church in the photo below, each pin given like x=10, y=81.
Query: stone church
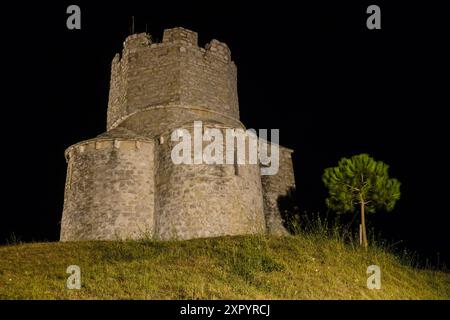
x=123, y=184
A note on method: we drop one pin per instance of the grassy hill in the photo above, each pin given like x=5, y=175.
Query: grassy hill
x=246, y=267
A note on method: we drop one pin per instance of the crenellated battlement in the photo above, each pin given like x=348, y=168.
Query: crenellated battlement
x=180, y=36
x=174, y=71
x=218, y=50
x=137, y=40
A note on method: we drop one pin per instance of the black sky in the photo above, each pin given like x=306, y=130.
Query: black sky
x=332, y=87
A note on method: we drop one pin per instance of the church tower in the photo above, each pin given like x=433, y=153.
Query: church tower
x=123, y=184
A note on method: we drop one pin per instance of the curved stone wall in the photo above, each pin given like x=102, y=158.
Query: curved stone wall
x=201, y=200
x=124, y=184
x=109, y=190
x=157, y=120
x=176, y=70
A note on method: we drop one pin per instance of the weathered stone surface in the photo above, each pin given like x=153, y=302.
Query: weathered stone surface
x=175, y=71
x=202, y=200
x=275, y=187
x=110, y=190
x=123, y=184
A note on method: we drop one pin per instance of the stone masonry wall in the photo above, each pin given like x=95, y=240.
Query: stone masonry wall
x=275, y=188
x=109, y=190
x=154, y=121
x=174, y=71
x=124, y=184
x=201, y=200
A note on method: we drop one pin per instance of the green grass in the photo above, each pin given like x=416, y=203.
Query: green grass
x=306, y=266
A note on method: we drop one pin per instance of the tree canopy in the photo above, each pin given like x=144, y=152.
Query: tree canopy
x=360, y=182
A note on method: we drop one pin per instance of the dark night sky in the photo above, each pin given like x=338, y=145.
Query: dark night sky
x=314, y=71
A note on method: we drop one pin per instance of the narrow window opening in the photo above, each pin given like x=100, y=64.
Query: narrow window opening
x=69, y=175
x=236, y=165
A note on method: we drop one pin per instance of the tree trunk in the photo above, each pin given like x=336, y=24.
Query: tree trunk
x=363, y=223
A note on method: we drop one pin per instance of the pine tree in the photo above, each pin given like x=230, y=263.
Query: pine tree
x=360, y=182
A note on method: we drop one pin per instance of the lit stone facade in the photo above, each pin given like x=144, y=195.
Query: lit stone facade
x=123, y=183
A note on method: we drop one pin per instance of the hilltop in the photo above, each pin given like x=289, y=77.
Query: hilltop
x=244, y=267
